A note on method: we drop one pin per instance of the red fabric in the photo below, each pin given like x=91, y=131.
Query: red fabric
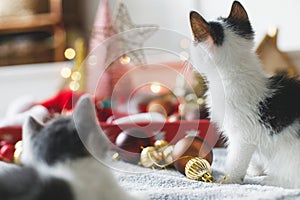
x=64, y=100
x=103, y=113
x=11, y=134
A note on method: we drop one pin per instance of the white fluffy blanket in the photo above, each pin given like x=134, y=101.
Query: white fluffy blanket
x=170, y=184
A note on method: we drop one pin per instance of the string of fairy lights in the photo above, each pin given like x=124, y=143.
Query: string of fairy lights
x=74, y=78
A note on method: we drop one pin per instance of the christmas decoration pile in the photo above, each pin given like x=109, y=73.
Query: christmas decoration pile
x=191, y=155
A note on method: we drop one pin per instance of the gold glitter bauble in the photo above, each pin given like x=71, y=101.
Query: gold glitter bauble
x=198, y=169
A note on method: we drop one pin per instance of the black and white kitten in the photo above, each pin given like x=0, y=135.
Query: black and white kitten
x=259, y=115
x=57, y=164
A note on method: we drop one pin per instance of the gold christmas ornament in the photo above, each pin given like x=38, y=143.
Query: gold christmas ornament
x=18, y=152
x=198, y=169
x=167, y=154
x=116, y=156
x=159, y=155
x=150, y=157
x=160, y=144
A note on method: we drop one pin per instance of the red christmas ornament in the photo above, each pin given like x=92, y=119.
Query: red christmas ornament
x=3, y=142
x=188, y=148
x=130, y=143
x=7, y=152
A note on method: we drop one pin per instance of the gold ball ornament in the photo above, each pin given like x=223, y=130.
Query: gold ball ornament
x=198, y=169
x=188, y=148
x=160, y=144
x=18, y=152
x=150, y=157
x=167, y=154
x=163, y=106
x=159, y=155
x=165, y=150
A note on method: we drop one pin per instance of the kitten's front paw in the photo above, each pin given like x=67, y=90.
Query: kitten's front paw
x=230, y=180
x=272, y=181
x=255, y=171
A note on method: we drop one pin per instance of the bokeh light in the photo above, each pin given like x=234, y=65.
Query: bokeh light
x=65, y=72
x=70, y=53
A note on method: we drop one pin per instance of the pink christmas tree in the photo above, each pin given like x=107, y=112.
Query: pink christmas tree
x=98, y=78
x=102, y=72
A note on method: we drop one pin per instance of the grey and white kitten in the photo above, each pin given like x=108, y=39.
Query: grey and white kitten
x=57, y=164
x=259, y=115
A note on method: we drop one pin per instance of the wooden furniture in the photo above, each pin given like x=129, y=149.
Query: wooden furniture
x=50, y=22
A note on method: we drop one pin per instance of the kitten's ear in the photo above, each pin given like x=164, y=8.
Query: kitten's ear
x=200, y=27
x=85, y=110
x=238, y=12
x=31, y=125
x=87, y=126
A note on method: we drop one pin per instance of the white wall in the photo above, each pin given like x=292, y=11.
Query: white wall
x=39, y=81
x=167, y=14
x=174, y=14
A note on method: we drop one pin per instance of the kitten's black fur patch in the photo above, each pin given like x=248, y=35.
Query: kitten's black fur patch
x=242, y=28
x=55, y=188
x=217, y=32
x=282, y=108
x=24, y=183
x=58, y=141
